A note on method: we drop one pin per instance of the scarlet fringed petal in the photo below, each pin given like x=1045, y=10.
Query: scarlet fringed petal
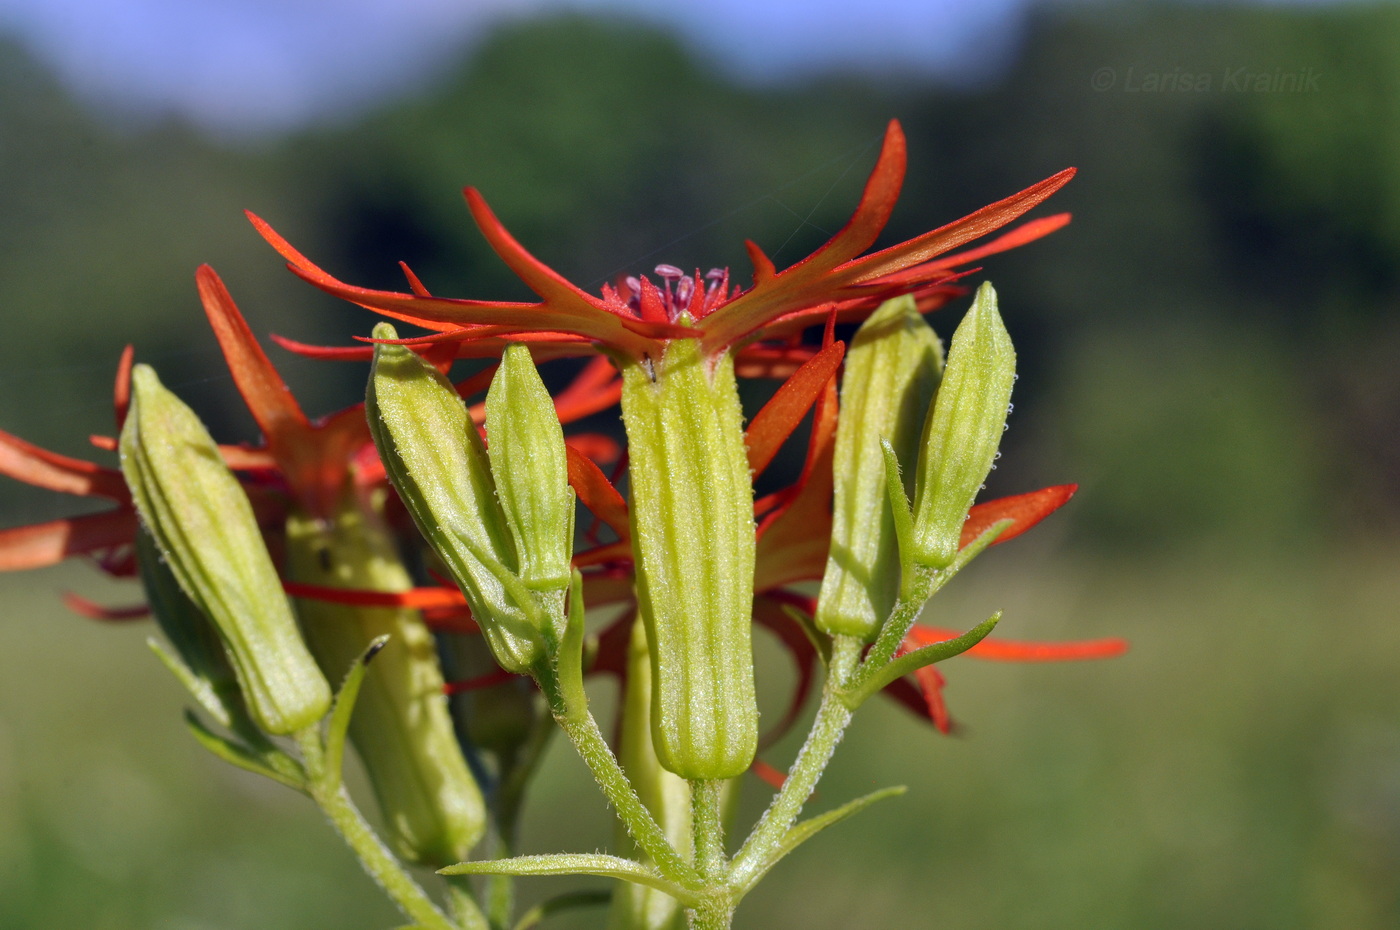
x=834, y=273
x=596, y=446
x=931, y=682
x=418, y=598
x=793, y=539
x=596, y=388
x=772, y=425
x=975, y=225
x=95, y=611
x=563, y=308
x=1024, y=510
x=597, y=493
x=121, y=391
x=269, y=400
x=25, y=547
x=27, y=462
x=767, y=361
x=768, y=775
x=1005, y=650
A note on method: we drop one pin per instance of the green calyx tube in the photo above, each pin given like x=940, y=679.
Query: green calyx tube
x=203, y=525
x=892, y=371
x=400, y=727
x=693, y=542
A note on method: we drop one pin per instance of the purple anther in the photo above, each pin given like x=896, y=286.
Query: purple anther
x=669, y=271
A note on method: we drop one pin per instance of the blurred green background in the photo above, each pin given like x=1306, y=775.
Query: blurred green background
x=1209, y=349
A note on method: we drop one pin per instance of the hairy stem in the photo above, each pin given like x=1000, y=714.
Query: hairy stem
x=833, y=716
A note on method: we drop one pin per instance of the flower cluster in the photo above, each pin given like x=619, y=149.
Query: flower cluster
x=838, y=564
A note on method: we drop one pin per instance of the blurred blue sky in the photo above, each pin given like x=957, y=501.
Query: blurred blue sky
x=236, y=66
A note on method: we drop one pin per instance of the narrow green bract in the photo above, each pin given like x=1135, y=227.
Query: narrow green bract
x=400, y=726
x=204, y=527
x=531, y=470
x=438, y=464
x=693, y=540
x=963, y=430
x=892, y=372
x=193, y=635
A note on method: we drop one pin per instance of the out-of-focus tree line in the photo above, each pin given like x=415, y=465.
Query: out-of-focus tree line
x=1209, y=348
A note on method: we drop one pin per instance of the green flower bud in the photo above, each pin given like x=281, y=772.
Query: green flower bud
x=400, y=726
x=693, y=541
x=892, y=371
x=438, y=464
x=963, y=430
x=531, y=470
x=204, y=526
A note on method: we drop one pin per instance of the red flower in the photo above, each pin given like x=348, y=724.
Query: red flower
x=636, y=316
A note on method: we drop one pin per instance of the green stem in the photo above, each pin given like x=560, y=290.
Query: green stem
x=582, y=730
x=500, y=889
x=708, y=819
x=462, y=903
x=385, y=869
x=833, y=716
x=378, y=861
x=717, y=916
x=925, y=582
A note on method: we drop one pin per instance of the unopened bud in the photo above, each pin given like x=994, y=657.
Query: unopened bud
x=204, y=527
x=892, y=371
x=400, y=727
x=530, y=466
x=963, y=430
x=437, y=462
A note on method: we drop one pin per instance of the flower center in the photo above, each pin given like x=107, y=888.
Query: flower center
x=683, y=293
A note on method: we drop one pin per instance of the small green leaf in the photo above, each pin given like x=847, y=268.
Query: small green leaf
x=245, y=758
x=807, y=829
x=819, y=640
x=199, y=688
x=903, y=519
x=570, y=662
x=576, y=864
x=200, y=661
x=338, y=725
x=874, y=682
